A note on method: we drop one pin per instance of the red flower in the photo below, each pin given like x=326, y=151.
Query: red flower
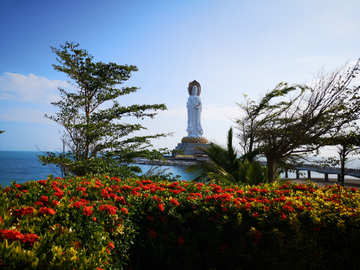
x=81, y=189
x=87, y=210
x=54, y=203
x=46, y=211
x=194, y=196
x=38, y=203
x=76, y=244
x=152, y=233
x=105, y=193
x=115, y=179
x=288, y=208
x=125, y=187
x=59, y=194
x=120, y=200
x=11, y=235
x=161, y=207
x=174, y=202
x=181, y=240
x=282, y=215
x=255, y=214
x=42, y=182
x=135, y=193
x=109, y=209
x=301, y=208
x=44, y=199
x=158, y=199
x=247, y=206
x=146, y=181
x=111, y=245
x=14, y=235
x=124, y=210
x=24, y=211
x=30, y=238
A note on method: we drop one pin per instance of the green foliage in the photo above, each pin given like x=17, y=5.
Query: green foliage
x=104, y=222
x=291, y=120
x=95, y=138
x=347, y=142
x=227, y=166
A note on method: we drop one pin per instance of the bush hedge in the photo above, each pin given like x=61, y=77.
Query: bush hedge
x=102, y=222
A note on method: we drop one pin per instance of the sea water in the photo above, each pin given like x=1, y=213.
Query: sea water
x=23, y=166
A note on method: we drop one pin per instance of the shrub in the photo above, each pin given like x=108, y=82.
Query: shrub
x=101, y=222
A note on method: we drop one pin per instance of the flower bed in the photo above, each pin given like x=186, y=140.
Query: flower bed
x=107, y=223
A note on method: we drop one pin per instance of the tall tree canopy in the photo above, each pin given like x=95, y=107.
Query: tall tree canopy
x=95, y=137
x=290, y=119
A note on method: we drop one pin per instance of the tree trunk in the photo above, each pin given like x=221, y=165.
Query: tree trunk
x=342, y=159
x=271, y=169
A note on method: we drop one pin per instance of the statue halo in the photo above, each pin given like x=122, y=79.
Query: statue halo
x=191, y=84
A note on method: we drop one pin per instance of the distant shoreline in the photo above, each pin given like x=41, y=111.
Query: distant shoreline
x=166, y=162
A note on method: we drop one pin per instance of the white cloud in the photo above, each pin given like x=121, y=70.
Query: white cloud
x=29, y=88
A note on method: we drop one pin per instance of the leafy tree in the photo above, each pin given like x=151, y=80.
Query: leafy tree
x=290, y=119
x=95, y=136
x=247, y=126
x=225, y=165
x=347, y=142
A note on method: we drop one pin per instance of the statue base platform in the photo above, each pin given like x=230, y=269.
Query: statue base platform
x=189, y=144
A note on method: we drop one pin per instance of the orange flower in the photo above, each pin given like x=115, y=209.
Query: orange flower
x=111, y=245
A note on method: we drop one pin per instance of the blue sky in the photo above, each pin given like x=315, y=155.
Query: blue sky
x=230, y=46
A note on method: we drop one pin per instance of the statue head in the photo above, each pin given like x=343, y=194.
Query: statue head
x=194, y=90
x=191, y=87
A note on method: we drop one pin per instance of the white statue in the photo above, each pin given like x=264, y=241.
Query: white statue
x=194, y=108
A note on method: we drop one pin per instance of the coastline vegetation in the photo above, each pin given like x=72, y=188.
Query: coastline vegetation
x=95, y=137
x=101, y=222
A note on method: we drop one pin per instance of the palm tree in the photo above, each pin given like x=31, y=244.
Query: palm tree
x=227, y=166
